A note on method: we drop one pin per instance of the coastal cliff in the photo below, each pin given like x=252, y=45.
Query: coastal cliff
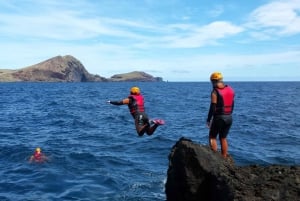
x=67, y=69
x=197, y=173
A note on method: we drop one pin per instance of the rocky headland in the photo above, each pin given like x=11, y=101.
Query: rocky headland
x=67, y=69
x=197, y=173
x=135, y=76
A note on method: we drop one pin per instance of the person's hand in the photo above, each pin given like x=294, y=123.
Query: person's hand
x=208, y=124
x=108, y=101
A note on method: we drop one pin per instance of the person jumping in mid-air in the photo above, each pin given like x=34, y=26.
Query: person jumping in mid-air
x=135, y=102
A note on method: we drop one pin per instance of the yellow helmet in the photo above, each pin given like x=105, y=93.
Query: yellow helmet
x=135, y=90
x=216, y=76
x=38, y=149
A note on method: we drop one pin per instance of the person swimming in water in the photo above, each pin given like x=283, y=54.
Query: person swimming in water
x=38, y=156
x=135, y=102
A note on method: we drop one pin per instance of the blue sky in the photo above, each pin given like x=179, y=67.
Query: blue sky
x=253, y=40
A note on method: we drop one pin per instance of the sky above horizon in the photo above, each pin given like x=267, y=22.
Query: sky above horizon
x=257, y=40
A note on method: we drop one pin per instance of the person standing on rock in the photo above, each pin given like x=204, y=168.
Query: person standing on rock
x=219, y=118
x=135, y=102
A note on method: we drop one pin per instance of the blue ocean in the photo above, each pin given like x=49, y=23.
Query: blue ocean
x=95, y=153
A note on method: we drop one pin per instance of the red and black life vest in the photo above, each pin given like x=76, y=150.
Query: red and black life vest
x=225, y=100
x=137, y=104
x=37, y=156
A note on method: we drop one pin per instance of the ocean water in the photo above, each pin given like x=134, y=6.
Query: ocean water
x=95, y=153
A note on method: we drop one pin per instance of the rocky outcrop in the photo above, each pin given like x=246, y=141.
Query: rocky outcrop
x=57, y=69
x=135, y=76
x=67, y=69
x=197, y=173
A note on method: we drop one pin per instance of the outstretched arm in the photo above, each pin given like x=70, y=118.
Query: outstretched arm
x=122, y=102
x=115, y=102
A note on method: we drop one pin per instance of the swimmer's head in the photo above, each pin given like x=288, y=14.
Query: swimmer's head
x=38, y=150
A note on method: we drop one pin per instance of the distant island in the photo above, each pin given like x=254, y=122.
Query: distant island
x=68, y=69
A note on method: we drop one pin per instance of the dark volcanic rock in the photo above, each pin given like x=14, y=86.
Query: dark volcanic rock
x=197, y=173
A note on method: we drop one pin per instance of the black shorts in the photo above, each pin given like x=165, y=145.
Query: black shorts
x=220, y=125
x=141, y=119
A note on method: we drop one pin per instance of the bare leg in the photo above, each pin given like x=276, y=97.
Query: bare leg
x=213, y=143
x=212, y=140
x=224, y=147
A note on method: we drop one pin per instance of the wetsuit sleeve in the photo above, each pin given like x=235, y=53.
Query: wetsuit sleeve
x=116, y=102
x=211, y=111
x=213, y=105
x=122, y=102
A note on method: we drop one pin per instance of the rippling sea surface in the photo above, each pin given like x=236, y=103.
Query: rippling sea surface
x=95, y=153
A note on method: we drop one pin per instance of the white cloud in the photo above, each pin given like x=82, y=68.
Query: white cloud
x=279, y=18
x=62, y=26
x=195, y=37
x=107, y=60
x=176, y=50
x=65, y=24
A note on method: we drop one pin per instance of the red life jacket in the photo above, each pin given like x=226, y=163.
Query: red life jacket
x=37, y=156
x=225, y=100
x=137, y=104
